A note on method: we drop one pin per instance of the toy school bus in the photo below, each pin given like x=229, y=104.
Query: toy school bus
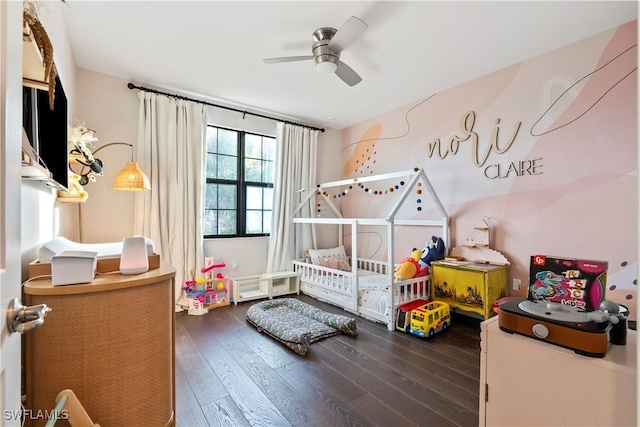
x=427, y=319
x=423, y=317
x=403, y=321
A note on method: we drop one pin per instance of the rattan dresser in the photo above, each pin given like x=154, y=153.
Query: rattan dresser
x=111, y=342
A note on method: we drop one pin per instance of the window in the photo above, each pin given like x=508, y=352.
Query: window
x=239, y=183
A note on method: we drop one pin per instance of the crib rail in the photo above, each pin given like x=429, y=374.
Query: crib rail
x=375, y=266
x=339, y=288
x=336, y=287
x=411, y=289
x=342, y=282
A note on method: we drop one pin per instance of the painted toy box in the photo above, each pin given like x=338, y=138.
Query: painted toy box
x=576, y=282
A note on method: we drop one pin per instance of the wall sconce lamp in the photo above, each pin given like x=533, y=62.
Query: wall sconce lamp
x=131, y=178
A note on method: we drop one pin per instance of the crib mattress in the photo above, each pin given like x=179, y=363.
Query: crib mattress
x=297, y=324
x=375, y=299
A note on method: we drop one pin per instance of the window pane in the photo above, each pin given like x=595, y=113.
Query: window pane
x=269, y=147
x=227, y=167
x=252, y=170
x=254, y=222
x=267, y=202
x=211, y=196
x=210, y=225
x=269, y=172
x=266, y=222
x=254, y=197
x=253, y=146
x=227, y=142
x=227, y=197
x=212, y=166
x=212, y=139
x=227, y=222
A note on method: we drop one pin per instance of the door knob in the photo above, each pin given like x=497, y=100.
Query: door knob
x=23, y=319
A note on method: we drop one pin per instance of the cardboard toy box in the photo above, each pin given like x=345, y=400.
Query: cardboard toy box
x=576, y=282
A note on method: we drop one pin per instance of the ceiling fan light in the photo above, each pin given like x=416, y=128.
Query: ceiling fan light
x=326, y=67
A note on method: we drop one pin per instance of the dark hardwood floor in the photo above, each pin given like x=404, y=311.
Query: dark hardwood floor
x=227, y=373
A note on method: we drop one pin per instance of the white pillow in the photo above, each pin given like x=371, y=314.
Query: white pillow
x=321, y=256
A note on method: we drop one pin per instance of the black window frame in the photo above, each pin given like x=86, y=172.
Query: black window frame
x=241, y=185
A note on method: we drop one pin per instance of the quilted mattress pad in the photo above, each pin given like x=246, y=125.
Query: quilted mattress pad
x=297, y=324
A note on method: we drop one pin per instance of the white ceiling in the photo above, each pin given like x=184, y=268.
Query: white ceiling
x=213, y=50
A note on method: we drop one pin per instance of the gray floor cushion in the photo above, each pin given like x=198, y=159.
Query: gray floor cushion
x=297, y=324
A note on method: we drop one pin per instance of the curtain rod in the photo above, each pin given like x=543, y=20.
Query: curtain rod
x=185, y=98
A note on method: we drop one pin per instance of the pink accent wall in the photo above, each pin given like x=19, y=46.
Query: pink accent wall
x=571, y=112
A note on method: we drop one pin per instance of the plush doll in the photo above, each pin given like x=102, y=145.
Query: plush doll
x=409, y=267
x=433, y=250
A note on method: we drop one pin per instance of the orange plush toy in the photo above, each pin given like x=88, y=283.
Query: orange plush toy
x=409, y=267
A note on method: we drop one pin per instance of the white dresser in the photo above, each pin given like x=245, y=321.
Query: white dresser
x=526, y=382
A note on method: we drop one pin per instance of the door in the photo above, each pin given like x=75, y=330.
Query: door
x=10, y=194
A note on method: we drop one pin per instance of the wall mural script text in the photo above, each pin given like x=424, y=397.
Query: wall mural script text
x=523, y=167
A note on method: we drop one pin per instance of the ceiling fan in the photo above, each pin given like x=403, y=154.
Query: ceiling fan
x=328, y=43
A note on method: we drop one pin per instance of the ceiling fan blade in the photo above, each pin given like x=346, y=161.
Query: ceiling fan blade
x=347, y=74
x=287, y=59
x=347, y=34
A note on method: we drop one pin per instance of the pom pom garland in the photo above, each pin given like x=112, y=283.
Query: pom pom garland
x=371, y=191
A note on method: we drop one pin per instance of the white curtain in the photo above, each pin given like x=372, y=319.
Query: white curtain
x=171, y=150
x=295, y=171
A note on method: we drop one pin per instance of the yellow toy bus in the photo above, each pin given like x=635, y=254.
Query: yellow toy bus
x=429, y=319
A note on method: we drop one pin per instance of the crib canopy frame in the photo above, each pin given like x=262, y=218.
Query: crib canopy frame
x=412, y=177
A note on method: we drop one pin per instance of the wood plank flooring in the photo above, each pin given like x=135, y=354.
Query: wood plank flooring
x=229, y=374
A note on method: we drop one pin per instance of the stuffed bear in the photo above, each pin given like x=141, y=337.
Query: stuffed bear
x=409, y=267
x=433, y=250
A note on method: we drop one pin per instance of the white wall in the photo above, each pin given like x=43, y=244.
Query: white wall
x=43, y=218
x=106, y=105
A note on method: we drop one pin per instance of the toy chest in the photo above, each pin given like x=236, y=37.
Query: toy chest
x=576, y=282
x=469, y=288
